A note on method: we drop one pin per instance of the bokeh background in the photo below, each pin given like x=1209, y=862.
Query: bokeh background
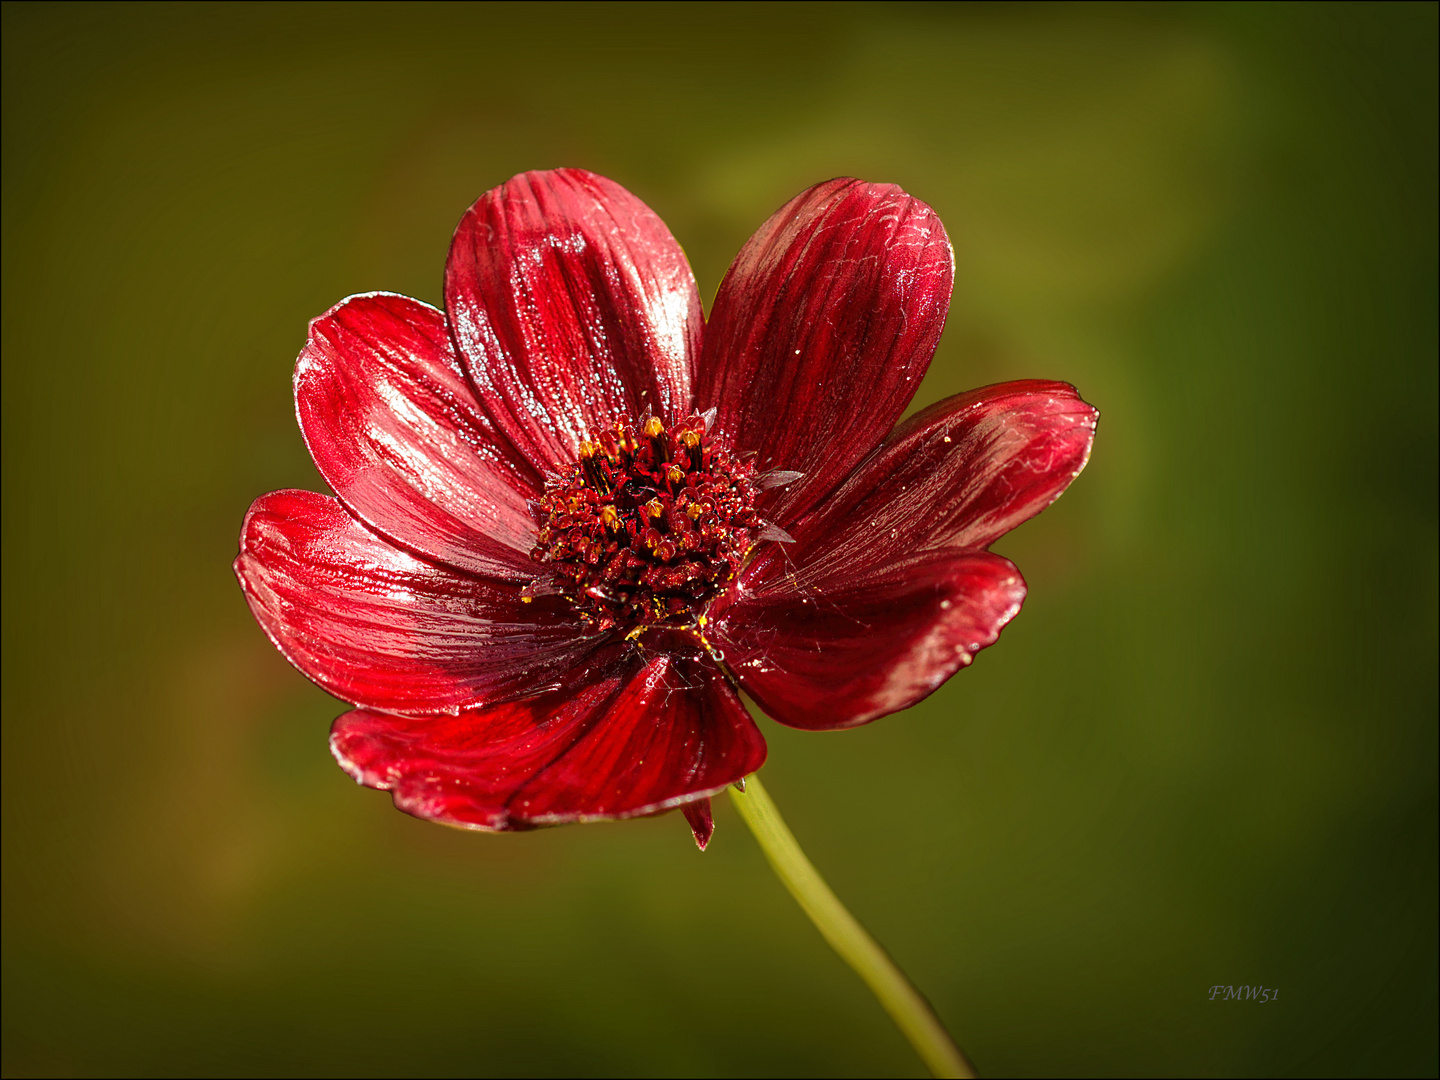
x=1204, y=754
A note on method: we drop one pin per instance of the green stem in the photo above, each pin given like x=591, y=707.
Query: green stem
x=906, y=1005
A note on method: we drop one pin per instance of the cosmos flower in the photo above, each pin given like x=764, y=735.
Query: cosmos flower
x=573, y=519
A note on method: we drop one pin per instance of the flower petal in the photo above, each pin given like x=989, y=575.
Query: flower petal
x=572, y=306
x=379, y=627
x=822, y=329
x=958, y=475
x=885, y=592
x=620, y=739
x=395, y=429
x=851, y=652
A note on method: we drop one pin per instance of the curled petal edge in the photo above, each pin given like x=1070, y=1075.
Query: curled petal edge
x=616, y=742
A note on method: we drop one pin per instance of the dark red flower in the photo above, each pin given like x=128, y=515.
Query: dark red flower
x=574, y=519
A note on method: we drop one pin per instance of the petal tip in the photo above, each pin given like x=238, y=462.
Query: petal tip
x=701, y=821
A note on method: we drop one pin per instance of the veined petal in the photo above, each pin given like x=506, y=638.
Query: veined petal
x=572, y=306
x=621, y=738
x=395, y=429
x=886, y=590
x=379, y=627
x=956, y=476
x=845, y=652
x=821, y=331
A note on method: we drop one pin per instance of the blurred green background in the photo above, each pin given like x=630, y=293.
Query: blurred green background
x=1204, y=754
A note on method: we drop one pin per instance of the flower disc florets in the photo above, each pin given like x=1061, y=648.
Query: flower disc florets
x=650, y=525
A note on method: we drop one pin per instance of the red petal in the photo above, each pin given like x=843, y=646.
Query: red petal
x=572, y=306
x=822, y=330
x=701, y=821
x=379, y=627
x=856, y=649
x=959, y=475
x=395, y=429
x=618, y=740
x=885, y=592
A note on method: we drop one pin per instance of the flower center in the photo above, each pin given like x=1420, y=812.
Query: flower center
x=648, y=527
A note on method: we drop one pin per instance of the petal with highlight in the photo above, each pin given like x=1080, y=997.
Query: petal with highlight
x=622, y=738
x=845, y=651
x=821, y=331
x=395, y=429
x=379, y=627
x=886, y=591
x=572, y=306
x=957, y=476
